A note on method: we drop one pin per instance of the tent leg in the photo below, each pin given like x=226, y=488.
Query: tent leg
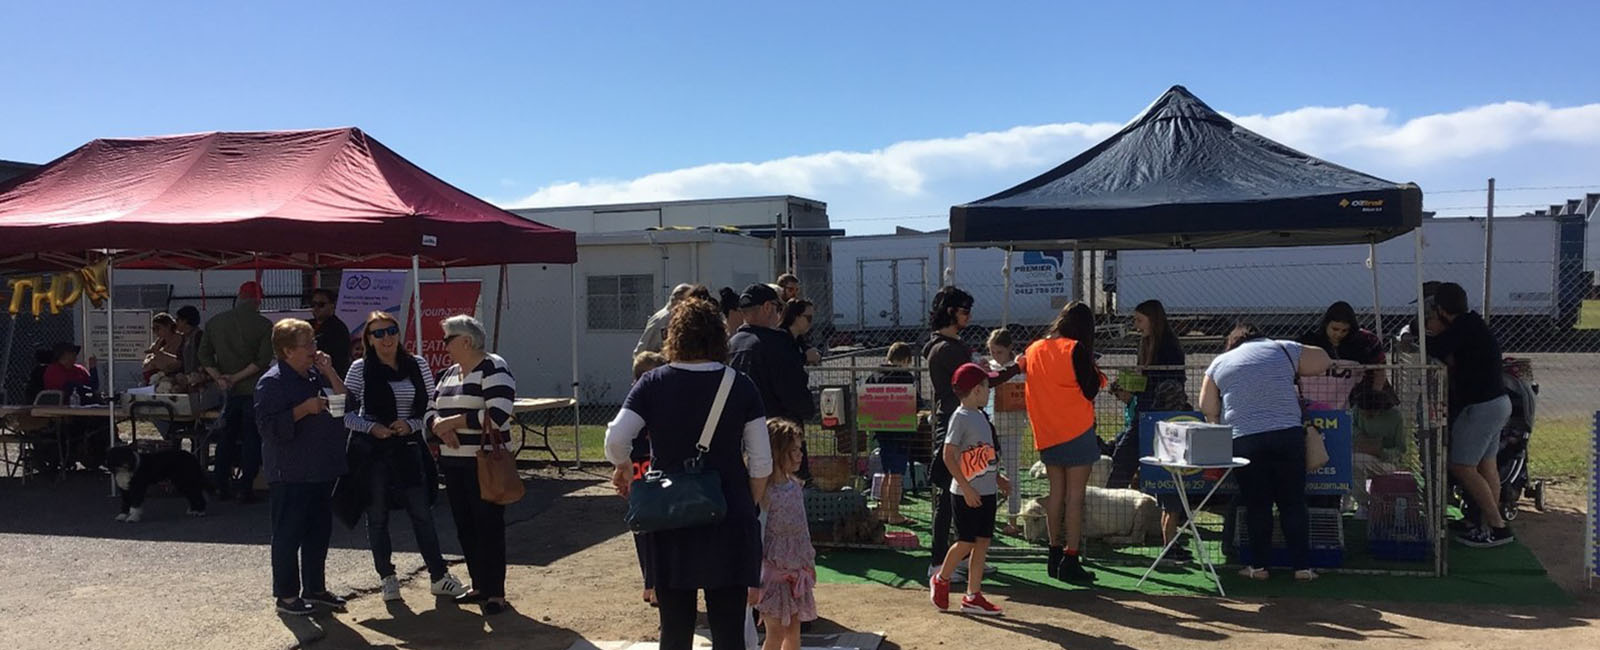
x=1377, y=302
x=110, y=371
x=416, y=303
x=1005, y=312
x=499, y=302
x=577, y=452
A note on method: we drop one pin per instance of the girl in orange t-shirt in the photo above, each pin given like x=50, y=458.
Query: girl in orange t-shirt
x=1062, y=381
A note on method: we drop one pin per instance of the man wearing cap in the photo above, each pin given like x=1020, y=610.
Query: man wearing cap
x=769, y=357
x=235, y=350
x=650, y=341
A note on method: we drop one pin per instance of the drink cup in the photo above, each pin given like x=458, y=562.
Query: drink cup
x=336, y=406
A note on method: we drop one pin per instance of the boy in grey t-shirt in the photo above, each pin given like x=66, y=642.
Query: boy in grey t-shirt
x=969, y=454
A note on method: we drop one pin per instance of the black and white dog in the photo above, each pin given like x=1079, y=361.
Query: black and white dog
x=135, y=472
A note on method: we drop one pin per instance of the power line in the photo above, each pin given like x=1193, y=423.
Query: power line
x=1516, y=189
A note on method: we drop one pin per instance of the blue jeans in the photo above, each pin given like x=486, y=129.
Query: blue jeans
x=302, y=524
x=238, y=445
x=1276, y=474
x=415, y=501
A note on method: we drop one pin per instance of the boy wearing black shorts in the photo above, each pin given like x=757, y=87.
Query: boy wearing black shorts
x=969, y=454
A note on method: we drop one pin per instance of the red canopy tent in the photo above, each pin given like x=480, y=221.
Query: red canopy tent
x=329, y=198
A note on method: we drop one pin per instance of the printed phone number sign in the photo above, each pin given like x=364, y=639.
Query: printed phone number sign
x=1330, y=479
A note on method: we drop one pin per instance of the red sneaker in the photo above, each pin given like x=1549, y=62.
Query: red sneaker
x=939, y=592
x=977, y=604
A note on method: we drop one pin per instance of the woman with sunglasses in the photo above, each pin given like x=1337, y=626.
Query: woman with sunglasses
x=387, y=396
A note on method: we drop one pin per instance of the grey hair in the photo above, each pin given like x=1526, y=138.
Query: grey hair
x=464, y=325
x=680, y=292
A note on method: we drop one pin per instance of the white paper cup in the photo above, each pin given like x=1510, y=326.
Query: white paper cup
x=336, y=406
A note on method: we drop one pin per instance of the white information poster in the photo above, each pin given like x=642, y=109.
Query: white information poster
x=131, y=337
x=363, y=292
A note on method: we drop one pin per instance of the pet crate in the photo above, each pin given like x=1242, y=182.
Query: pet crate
x=1327, y=540
x=1396, y=521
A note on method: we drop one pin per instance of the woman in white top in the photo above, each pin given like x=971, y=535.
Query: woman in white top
x=387, y=394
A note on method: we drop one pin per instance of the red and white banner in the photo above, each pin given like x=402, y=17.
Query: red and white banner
x=441, y=300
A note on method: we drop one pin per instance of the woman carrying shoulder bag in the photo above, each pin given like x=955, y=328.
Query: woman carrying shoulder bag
x=387, y=396
x=475, y=397
x=675, y=403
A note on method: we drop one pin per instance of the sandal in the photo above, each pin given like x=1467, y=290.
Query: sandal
x=1305, y=575
x=1254, y=573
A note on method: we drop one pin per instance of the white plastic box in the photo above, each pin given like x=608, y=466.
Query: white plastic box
x=1194, y=443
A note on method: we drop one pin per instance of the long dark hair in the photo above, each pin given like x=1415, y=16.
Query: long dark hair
x=945, y=304
x=1160, y=331
x=1076, y=322
x=1339, y=312
x=792, y=311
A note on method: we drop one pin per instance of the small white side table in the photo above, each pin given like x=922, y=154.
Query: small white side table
x=1177, y=470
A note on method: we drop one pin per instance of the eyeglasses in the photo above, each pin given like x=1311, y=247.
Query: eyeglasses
x=379, y=334
x=319, y=304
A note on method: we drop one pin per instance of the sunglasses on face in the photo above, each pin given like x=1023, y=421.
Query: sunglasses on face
x=319, y=305
x=380, y=333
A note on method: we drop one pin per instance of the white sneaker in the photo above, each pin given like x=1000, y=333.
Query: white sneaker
x=391, y=588
x=448, y=586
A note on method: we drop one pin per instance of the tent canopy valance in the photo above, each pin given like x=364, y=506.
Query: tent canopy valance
x=328, y=198
x=1182, y=175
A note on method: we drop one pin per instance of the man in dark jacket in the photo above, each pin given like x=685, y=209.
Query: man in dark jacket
x=771, y=360
x=333, y=336
x=303, y=449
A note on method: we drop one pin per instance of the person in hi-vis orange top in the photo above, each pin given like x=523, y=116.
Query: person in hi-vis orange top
x=1062, y=381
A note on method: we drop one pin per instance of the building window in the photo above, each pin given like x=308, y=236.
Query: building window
x=620, y=302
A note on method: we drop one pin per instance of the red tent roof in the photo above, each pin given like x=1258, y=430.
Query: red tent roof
x=326, y=198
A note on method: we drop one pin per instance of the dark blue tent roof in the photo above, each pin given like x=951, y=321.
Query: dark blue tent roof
x=1183, y=176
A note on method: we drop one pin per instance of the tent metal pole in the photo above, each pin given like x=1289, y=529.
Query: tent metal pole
x=499, y=301
x=1488, y=250
x=1005, y=313
x=1377, y=302
x=416, y=303
x=577, y=451
x=1422, y=316
x=111, y=360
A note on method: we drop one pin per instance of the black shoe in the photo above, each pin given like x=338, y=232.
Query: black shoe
x=471, y=597
x=325, y=598
x=1179, y=555
x=1071, y=570
x=492, y=607
x=1052, y=563
x=295, y=607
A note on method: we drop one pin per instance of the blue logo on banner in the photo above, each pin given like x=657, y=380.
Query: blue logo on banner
x=1333, y=478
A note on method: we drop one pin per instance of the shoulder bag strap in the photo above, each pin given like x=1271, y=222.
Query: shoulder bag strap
x=704, y=445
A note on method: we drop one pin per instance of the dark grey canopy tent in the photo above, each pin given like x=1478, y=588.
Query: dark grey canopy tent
x=1181, y=175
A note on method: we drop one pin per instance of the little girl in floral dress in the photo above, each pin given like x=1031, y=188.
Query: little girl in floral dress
x=788, y=563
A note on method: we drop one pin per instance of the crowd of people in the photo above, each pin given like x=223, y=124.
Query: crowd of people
x=380, y=433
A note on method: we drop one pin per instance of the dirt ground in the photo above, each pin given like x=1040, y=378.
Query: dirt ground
x=573, y=575
x=594, y=592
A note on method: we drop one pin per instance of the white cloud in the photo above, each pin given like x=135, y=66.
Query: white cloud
x=925, y=177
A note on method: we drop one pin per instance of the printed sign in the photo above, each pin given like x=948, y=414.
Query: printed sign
x=363, y=292
x=441, y=300
x=887, y=407
x=132, y=336
x=1332, y=478
x=1040, y=273
x=977, y=461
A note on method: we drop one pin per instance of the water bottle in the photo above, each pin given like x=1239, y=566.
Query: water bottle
x=73, y=399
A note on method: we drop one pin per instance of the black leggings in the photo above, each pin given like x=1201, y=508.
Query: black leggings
x=724, y=612
x=1276, y=474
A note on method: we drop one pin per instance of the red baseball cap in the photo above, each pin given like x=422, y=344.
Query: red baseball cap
x=250, y=291
x=968, y=376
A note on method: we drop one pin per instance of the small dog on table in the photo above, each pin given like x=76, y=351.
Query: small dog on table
x=136, y=471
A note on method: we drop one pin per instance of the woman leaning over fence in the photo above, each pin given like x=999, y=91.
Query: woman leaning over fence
x=387, y=396
x=674, y=402
x=1062, y=382
x=1251, y=387
x=476, y=395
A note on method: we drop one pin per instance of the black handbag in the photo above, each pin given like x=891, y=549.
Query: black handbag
x=687, y=498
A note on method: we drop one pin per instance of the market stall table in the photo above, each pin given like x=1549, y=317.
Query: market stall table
x=1177, y=470
x=524, y=408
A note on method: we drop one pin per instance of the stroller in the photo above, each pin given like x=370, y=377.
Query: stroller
x=1512, y=460
x=1515, y=480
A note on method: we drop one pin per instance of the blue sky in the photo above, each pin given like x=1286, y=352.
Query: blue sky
x=882, y=109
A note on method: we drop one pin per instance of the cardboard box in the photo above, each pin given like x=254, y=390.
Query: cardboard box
x=1194, y=443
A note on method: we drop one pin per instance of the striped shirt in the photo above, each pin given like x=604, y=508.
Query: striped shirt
x=489, y=386
x=355, y=415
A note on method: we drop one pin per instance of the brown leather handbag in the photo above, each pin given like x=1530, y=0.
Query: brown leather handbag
x=498, y=481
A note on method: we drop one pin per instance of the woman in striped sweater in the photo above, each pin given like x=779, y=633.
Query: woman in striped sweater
x=388, y=390
x=476, y=389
